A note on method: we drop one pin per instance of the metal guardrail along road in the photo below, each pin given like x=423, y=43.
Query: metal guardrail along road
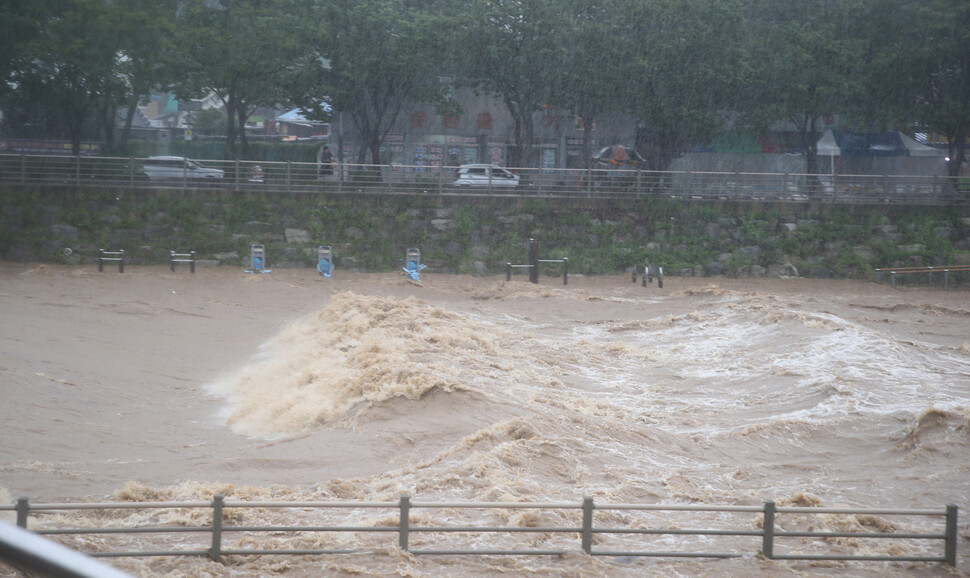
x=777, y=532
x=308, y=178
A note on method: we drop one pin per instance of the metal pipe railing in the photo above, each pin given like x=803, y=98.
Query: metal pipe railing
x=634, y=183
x=769, y=515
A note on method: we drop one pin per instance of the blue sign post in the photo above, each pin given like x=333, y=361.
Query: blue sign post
x=412, y=264
x=257, y=255
x=325, y=261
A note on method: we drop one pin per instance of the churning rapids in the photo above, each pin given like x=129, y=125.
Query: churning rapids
x=152, y=385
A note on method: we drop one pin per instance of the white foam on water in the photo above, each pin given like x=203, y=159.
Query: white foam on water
x=733, y=399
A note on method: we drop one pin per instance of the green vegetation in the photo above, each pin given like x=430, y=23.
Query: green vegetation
x=69, y=68
x=481, y=236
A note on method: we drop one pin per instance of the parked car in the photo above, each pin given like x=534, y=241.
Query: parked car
x=158, y=168
x=485, y=176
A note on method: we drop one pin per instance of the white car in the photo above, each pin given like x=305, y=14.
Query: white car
x=485, y=176
x=158, y=168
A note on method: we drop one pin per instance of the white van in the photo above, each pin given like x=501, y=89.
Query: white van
x=159, y=168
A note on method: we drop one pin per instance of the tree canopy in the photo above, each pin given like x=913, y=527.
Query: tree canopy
x=684, y=70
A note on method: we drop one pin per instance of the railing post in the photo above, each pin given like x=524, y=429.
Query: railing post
x=217, y=504
x=588, y=524
x=768, y=536
x=288, y=176
x=23, y=508
x=77, y=170
x=565, y=270
x=951, y=535
x=405, y=515
x=534, y=260
x=23, y=169
x=508, y=271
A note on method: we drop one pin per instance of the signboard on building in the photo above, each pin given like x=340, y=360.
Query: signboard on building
x=47, y=147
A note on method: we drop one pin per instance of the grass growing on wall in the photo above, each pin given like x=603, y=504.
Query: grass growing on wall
x=374, y=231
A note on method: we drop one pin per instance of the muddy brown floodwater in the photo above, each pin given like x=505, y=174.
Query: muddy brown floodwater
x=154, y=385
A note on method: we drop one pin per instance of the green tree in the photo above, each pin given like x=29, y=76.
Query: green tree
x=369, y=58
x=684, y=67
x=64, y=78
x=810, y=64
x=943, y=102
x=210, y=121
x=145, y=30
x=20, y=25
x=592, y=79
x=241, y=50
x=514, y=49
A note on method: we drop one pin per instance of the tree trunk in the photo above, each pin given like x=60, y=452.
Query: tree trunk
x=129, y=119
x=243, y=141
x=956, y=150
x=231, y=117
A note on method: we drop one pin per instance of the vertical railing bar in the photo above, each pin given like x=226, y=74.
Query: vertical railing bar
x=588, y=524
x=23, y=510
x=950, y=549
x=217, y=504
x=768, y=538
x=405, y=507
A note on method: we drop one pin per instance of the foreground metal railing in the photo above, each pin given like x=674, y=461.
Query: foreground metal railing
x=601, y=183
x=784, y=532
